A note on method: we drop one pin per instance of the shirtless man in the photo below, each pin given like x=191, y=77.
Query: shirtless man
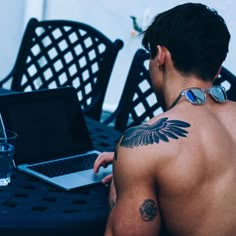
x=177, y=172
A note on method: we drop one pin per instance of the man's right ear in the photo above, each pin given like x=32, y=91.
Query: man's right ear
x=218, y=72
x=160, y=57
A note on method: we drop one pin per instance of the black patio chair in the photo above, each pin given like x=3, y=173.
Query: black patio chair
x=56, y=53
x=228, y=81
x=138, y=101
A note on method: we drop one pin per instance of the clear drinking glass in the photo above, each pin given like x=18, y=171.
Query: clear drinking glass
x=7, y=150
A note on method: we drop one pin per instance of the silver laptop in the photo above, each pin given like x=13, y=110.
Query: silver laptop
x=53, y=141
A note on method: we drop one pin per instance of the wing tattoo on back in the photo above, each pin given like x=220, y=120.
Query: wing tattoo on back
x=145, y=134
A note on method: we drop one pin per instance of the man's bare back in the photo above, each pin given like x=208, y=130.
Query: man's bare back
x=197, y=181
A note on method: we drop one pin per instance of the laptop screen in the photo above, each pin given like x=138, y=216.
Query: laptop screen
x=49, y=124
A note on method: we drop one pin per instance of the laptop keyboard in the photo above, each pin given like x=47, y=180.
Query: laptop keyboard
x=66, y=166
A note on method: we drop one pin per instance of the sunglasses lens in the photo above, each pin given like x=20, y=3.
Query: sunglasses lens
x=195, y=96
x=218, y=93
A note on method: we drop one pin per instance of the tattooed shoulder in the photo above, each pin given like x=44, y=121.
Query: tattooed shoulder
x=161, y=130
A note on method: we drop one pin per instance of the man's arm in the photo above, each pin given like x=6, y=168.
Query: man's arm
x=135, y=208
x=136, y=165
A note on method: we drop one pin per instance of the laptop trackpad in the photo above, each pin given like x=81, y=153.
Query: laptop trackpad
x=89, y=174
x=82, y=178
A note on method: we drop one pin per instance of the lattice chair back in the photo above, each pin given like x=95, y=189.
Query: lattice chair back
x=58, y=53
x=138, y=101
x=228, y=81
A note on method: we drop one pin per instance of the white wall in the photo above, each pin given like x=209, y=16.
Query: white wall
x=112, y=17
x=11, y=30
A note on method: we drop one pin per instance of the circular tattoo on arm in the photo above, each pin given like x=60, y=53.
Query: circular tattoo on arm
x=148, y=210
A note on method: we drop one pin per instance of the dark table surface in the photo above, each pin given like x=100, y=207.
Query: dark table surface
x=29, y=206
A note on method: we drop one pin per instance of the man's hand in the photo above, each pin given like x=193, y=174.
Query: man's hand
x=103, y=160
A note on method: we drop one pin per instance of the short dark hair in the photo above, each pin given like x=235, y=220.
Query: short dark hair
x=196, y=36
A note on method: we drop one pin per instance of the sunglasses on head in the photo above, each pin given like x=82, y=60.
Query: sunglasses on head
x=197, y=96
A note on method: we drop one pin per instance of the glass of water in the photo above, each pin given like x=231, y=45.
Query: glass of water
x=7, y=150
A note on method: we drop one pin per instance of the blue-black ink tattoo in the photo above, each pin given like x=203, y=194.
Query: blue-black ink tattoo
x=146, y=134
x=148, y=210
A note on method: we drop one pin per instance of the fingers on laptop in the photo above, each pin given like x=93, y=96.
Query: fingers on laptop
x=103, y=159
x=107, y=179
